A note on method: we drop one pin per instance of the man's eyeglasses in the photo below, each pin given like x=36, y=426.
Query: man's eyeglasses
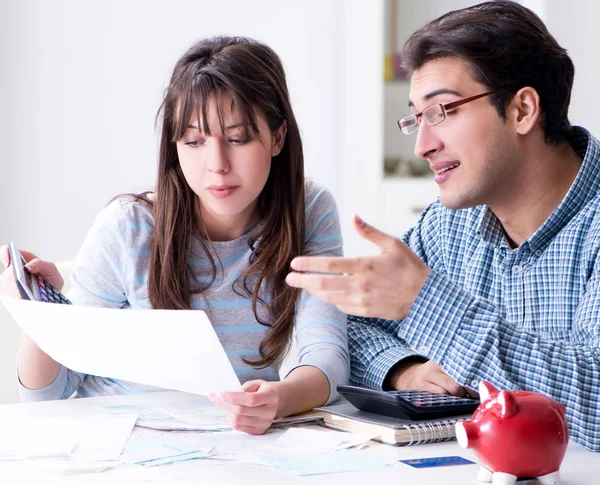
x=434, y=114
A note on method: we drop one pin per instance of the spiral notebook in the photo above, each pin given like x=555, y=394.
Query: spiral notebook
x=399, y=432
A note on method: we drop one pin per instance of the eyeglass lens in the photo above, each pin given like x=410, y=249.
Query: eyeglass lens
x=434, y=114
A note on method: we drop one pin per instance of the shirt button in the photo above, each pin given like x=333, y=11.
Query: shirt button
x=516, y=268
x=474, y=384
x=423, y=349
x=538, y=252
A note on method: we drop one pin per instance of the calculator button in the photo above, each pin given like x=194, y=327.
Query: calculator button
x=49, y=294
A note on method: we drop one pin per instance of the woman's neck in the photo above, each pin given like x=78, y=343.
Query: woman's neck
x=222, y=228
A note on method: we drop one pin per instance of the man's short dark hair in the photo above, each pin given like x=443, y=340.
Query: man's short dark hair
x=507, y=47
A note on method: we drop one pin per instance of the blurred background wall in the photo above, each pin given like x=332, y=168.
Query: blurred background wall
x=80, y=83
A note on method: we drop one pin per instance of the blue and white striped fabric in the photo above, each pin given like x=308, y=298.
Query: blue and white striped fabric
x=525, y=318
x=111, y=270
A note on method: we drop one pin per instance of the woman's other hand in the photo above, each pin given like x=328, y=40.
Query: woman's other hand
x=253, y=410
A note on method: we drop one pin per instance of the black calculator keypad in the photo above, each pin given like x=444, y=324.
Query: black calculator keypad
x=425, y=398
x=50, y=294
x=413, y=405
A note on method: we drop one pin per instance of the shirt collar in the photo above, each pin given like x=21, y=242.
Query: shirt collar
x=584, y=188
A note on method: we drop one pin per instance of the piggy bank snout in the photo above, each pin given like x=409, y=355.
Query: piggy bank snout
x=467, y=433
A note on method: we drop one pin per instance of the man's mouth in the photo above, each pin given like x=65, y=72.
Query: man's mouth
x=445, y=169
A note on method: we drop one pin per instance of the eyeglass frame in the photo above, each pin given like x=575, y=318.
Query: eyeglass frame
x=444, y=107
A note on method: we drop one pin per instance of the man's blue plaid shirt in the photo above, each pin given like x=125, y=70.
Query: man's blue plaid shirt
x=525, y=318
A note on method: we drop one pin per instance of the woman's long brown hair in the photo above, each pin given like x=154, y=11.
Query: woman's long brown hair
x=251, y=75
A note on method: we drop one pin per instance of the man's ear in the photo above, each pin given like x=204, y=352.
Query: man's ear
x=279, y=139
x=524, y=111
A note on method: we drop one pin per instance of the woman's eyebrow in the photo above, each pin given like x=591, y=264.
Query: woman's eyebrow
x=230, y=127
x=233, y=127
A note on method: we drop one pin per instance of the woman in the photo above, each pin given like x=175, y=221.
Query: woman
x=230, y=211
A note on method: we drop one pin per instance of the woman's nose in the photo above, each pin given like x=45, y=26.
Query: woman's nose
x=218, y=162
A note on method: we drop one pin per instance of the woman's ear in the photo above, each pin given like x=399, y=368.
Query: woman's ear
x=278, y=139
x=525, y=110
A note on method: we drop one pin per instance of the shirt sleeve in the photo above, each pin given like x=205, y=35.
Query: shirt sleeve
x=375, y=349
x=97, y=280
x=470, y=339
x=375, y=344
x=320, y=328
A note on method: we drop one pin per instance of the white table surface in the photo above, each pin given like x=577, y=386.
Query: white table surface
x=580, y=467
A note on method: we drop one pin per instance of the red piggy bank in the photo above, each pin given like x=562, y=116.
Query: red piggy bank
x=516, y=435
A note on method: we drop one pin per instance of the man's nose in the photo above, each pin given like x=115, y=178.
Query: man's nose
x=427, y=142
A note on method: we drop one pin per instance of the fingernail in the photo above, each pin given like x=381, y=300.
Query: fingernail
x=295, y=265
x=29, y=266
x=359, y=220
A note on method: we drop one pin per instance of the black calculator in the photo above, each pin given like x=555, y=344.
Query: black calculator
x=33, y=287
x=412, y=405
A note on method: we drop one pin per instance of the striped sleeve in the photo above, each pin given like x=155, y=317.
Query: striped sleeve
x=471, y=340
x=320, y=328
x=97, y=280
x=375, y=345
x=101, y=263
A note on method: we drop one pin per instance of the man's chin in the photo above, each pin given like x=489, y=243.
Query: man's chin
x=456, y=203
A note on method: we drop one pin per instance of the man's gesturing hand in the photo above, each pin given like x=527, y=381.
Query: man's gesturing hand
x=384, y=286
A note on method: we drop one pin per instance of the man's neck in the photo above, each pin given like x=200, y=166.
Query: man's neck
x=542, y=186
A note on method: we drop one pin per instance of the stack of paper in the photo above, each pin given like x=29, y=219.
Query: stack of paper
x=189, y=415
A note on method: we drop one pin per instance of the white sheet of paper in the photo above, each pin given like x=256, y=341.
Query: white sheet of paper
x=74, y=467
x=23, y=438
x=102, y=437
x=301, y=441
x=172, y=349
x=78, y=438
x=329, y=462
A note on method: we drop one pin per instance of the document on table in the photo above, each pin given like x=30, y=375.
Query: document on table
x=300, y=442
x=330, y=462
x=172, y=349
x=190, y=414
x=150, y=447
x=77, y=438
x=187, y=412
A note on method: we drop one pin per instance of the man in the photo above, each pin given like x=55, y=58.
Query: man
x=499, y=279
